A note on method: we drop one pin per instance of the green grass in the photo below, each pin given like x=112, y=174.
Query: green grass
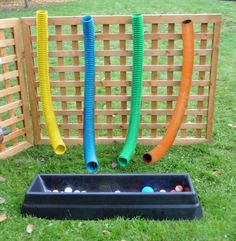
x=211, y=166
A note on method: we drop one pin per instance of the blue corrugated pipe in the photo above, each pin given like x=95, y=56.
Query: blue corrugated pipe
x=89, y=137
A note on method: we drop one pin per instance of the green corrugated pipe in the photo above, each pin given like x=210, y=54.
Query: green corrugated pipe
x=136, y=92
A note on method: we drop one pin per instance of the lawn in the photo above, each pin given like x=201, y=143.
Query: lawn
x=211, y=166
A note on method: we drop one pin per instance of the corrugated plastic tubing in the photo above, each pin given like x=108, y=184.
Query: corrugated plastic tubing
x=136, y=91
x=187, y=69
x=89, y=137
x=43, y=73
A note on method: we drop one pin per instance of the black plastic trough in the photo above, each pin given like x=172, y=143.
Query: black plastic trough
x=100, y=200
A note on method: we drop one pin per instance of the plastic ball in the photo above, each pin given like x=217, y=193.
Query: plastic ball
x=186, y=189
x=117, y=191
x=68, y=189
x=84, y=191
x=179, y=188
x=77, y=191
x=147, y=189
x=162, y=190
x=55, y=190
x=173, y=190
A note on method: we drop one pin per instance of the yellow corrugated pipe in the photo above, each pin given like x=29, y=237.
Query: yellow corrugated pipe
x=43, y=72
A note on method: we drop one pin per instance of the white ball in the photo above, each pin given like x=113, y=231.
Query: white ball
x=77, y=191
x=117, y=191
x=55, y=190
x=84, y=191
x=162, y=190
x=68, y=189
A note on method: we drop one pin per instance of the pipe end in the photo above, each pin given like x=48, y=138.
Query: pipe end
x=92, y=166
x=122, y=161
x=42, y=12
x=147, y=158
x=87, y=19
x=60, y=149
x=187, y=21
x=136, y=15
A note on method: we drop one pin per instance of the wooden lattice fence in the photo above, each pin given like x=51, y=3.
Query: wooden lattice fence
x=162, y=74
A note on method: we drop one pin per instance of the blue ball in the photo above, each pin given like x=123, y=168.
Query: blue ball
x=147, y=189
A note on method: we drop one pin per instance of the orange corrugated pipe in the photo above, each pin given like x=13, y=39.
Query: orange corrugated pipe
x=187, y=69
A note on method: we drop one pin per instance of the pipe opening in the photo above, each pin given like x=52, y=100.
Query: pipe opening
x=60, y=149
x=187, y=21
x=42, y=12
x=123, y=162
x=87, y=18
x=92, y=166
x=136, y=15
x=147, y=157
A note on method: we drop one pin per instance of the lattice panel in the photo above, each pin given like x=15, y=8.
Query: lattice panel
x=162, y=74
x=13, y=107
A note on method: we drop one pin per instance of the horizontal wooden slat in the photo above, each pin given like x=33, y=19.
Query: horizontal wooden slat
x=159, y=112
x=6, y=42
x=110, y=36
x=179, y=18
x=119, y=68
x=165, y=83
x=112, y=126
x=60, y=20
x=8, y=23
x=10, y=106
x=124, y=19
x=13, y=135
x=143, y=141
x=103, y=53
x=9, y=75
x=10, y=91
x=127, y=98
x=65, y=37
x=12, y=121
x=147, y=36
x=11, y=151
x=8, y=59
x=123, y=83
